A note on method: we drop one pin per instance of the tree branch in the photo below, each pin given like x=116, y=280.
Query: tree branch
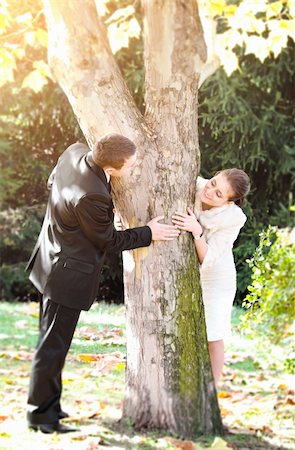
x=82, y=62
x=175, y=57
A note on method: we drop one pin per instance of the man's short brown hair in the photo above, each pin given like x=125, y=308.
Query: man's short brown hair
x=113, y=150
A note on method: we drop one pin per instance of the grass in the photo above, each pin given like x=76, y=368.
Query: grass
x=254, y=396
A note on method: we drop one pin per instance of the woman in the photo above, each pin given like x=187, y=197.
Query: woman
x=215, y=226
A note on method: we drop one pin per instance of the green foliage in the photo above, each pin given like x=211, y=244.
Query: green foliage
x=18, y=229
x=248, y=239
x=34, y=128
x=23, y=43
x=247, y=120
x=130, y=62
x=271, y=298
x=130, y=59
x=259, y=28
x=15, y=284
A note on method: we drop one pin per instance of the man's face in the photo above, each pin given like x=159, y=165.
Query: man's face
x=126, y=168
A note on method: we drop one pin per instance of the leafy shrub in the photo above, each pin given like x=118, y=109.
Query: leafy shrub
x=270, y=303
x=248, y=240
x=15, y=284
x=19, y=229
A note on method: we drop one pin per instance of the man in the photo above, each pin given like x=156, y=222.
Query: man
x=66, y=262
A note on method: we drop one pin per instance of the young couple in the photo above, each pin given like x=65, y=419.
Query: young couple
x=78, y=230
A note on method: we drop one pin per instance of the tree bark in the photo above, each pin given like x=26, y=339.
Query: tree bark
x=169, y=384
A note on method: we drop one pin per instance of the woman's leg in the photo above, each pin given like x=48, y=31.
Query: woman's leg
x=216, y=351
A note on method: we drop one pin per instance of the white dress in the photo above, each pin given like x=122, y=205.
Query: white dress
x=221, y=226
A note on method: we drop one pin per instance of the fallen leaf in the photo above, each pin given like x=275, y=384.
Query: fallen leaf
x=278, y=405
x=23, y=374
x=80, y=437
x=5, y=435
x=55, y=437
x=93, y=415
x=261, y=377
x=33, y=309
x=219, y=444
x=182, y=445
x=224, y=394
x=86, y=374
x=266, y=429
x=67, y=381
x=95, y=445
x=120, y=366
x=18, y=356
x=256, y=428
x=2, y=418
x=225, y=412
x=290, y=401
x=254, y=410
x=282, y=387
x=88, y=333
x=239, y=397
x=87, y=357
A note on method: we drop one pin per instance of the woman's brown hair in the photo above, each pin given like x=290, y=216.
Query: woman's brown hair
x=239, y=182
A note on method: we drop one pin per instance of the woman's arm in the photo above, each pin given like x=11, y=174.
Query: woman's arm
x=201, y=247
x=189, y=222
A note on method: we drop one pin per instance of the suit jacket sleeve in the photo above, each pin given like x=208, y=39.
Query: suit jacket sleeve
x=51, y=178
x=92, y=213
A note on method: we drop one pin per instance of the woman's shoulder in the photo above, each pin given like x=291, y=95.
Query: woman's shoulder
x=234, y=215
x=228, y=216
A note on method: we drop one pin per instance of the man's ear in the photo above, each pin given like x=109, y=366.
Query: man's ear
x=108, y=170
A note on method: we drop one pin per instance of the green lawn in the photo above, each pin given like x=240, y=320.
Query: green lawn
x=255, y=395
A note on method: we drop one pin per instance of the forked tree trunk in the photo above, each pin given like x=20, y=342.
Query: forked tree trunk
x=168, y=380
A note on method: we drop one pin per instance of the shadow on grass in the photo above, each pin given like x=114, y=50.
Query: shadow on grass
x=124, y=435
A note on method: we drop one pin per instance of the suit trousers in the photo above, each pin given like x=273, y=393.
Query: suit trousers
x=57, y=325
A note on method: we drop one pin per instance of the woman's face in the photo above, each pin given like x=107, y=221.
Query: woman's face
x=217, y=191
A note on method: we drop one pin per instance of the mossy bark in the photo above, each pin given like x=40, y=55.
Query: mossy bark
x=169, y=380
x=196, y=406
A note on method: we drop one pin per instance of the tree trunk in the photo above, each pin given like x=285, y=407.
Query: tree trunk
x=169, y=383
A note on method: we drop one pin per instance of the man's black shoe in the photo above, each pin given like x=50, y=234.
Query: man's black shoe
x=49, y=428
x=63, y=415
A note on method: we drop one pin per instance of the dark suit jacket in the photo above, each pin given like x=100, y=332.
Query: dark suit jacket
x=77, y=232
